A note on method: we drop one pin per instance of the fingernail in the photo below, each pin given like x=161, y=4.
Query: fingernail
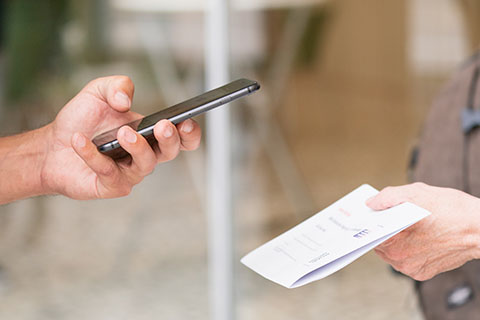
x=187, y=126
x=80, y=140
x=122, y=99
x=129, y=136
x=167, y=132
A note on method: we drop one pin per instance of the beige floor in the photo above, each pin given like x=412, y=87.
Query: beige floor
x=144, y=257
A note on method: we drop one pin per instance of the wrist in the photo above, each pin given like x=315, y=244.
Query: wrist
x=33, y=152
x=46, y=148
x=472, y=232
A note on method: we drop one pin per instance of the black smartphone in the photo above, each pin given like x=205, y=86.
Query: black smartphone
x=107, y=142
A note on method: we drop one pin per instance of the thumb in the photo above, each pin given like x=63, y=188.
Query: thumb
x=390, y=197
x=117, y=91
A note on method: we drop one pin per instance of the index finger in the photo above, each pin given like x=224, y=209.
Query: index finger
x=190, y=134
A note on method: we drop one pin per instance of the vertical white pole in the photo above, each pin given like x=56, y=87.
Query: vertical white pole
x=219, y=172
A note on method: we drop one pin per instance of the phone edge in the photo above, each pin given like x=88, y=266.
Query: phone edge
x=147, y=132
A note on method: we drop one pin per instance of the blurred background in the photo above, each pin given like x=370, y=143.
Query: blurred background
x=346, y=85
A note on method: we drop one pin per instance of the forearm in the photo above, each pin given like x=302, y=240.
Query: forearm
x=21, y=161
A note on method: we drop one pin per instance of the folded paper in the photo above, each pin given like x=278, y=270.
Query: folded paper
x=331, y=239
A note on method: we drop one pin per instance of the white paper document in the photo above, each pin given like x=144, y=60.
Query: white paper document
x=330, y=240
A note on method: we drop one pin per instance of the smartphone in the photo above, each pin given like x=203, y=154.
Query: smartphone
x=107, y=142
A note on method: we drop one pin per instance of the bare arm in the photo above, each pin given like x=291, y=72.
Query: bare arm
x=21, y=160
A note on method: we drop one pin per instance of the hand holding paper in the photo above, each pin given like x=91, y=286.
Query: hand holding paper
x=444, y=241
x=330, y=240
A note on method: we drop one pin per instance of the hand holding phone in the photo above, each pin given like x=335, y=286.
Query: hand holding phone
x=108, y=144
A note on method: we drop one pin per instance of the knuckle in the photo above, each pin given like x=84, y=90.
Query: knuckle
x=388, y=193
x=94, y=82
x=151, y=169
x=396, y=255
x=171, y=155
x=387, y=190
x=148, y=170
x=420, y=274
x=402, y=267
x=414, y=271
x=427, y=276
x=126, y=80
x=168, y=154
x=409, y=270
x=389, y=255
x=420, y=277
x=97, y=82
x=191, y=146
x=123, y=78
x=125, y=190
x=108, y=170
x=418, y=185
x=195, y=144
